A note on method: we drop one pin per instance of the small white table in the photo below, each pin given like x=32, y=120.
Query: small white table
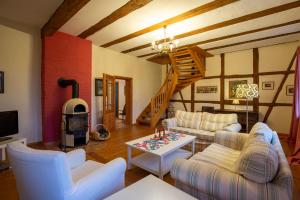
x=150, y=188
x=159, y=161
x=4, y=143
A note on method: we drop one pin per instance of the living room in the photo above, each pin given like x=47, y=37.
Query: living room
x=184, y=65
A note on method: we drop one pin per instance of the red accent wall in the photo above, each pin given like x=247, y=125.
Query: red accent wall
x=69, y=57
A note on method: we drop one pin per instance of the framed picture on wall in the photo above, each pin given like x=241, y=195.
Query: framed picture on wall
x=98, y=87
x=207, y=89
x=1, y=82
x=268, y=85
x=289, y=90
x=233, y=86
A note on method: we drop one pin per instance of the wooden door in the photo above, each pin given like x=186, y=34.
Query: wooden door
x=109, y=103
x=128, y=101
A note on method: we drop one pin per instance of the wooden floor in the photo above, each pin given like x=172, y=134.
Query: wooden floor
x=109, y=150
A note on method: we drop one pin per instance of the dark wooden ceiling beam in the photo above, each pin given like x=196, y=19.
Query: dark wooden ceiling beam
x=230, y=22
x=243, y=33
x=249, y=41
x=126, y=9
x=233, y=35
x=194, y=12
x=148, y=54
x=62, y=14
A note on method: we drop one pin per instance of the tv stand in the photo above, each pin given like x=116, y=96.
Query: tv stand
x=4, y=143
x=5, y=138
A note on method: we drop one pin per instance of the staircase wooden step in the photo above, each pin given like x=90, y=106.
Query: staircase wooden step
x=145, y=114
x=186, y=62
x=181, y=53
x=190, y=75
x=145, y=121
x=184, y=65
x=191, y=70
x=183, y=59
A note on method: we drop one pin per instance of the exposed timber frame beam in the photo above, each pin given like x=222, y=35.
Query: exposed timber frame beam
x=182, y=100
x=279, y=88
x=222, y=82
x=229, y=102
x=193, y=97
x=252, y=75
x=129, y=7
x=230, y=22
x=255, y=77
x=191, y=13
x=62, y=14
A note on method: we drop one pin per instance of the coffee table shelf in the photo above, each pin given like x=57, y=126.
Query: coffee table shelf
x=159, y=161
x=150, y=162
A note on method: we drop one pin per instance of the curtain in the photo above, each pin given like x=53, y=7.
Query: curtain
x=294, y=136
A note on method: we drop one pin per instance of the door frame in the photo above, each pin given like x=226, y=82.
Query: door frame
x=128, y=98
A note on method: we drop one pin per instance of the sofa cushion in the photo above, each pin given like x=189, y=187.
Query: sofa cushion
x=200, y=134
x=258, y=162
x=262, y=129
x=188, y=119
x=213, y=122
x=218, y=155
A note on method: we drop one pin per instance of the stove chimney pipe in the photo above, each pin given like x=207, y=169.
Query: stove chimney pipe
x=65, y=83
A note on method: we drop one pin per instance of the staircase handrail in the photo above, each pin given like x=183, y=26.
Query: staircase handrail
x=162, y=97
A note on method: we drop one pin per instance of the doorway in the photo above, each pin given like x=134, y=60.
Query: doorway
x=117, y=101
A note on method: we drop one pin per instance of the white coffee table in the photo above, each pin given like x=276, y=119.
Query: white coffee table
x=150, y=188
x=159, y=161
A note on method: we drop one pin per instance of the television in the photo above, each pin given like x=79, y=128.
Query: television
x=9, y=124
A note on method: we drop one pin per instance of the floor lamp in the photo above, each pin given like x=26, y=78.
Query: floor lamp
x=248, y=91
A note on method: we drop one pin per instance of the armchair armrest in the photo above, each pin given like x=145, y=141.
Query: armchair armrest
x=232, y=140
x=102, y=182
x=219, y=183
x=169, y=123
x=236, y=127
x=75, y=158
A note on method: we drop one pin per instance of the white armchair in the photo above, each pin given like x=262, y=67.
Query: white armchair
x=43, y=174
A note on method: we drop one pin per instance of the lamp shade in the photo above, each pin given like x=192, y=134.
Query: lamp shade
x=247, y=91
x=235, y=102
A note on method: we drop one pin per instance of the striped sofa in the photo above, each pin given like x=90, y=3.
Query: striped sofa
x=237, y=166
x=203, y=125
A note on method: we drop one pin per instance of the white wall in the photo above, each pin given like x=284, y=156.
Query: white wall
x=20, y=59
x=271, y=58
x=121, y=94
x=146, y=78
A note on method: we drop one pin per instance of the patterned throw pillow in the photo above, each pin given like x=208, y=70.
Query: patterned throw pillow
x=188, y=119
x=258, y=162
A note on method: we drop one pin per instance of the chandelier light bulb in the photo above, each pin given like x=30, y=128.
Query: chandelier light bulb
x=168, y=45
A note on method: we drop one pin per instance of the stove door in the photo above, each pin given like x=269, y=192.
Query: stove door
x=109, y=103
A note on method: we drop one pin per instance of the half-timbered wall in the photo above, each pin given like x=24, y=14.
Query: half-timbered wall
x=251, y=65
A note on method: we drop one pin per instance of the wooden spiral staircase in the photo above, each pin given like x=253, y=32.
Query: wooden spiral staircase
x=188, y=66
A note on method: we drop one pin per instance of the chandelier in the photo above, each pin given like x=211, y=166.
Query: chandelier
x=168, y=45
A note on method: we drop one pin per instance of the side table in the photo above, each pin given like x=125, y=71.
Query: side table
x=3, y=145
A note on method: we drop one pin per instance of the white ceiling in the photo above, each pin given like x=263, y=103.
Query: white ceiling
x=37, y=12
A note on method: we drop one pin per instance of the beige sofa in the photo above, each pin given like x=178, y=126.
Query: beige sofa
x=203, y=125
x=237, y=166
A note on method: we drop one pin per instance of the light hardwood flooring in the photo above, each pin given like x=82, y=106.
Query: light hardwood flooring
x=105, y=151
